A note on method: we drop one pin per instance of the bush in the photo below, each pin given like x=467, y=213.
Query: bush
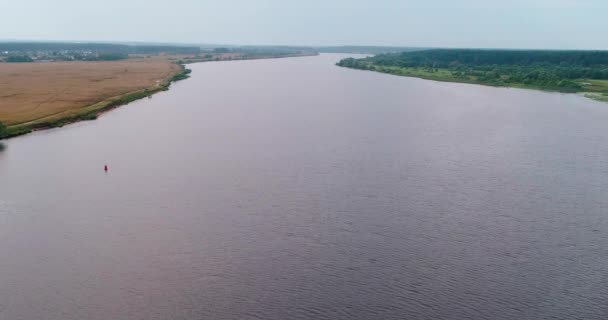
x=3, y=130
x=181, y=76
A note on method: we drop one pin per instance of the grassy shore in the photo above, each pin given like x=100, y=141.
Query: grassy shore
x=582, y=72
x=594, y=89
x=90, y=112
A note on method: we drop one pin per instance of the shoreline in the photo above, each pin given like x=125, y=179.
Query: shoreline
x=596, y=96
x=92, y=111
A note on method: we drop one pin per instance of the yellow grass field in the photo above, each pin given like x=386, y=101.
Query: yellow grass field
x=33, y=91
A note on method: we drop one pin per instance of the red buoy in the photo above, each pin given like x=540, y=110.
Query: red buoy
x=105, y=168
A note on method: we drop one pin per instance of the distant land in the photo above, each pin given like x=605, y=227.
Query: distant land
x=583, y=72
x=366, y=49
x=83, y=51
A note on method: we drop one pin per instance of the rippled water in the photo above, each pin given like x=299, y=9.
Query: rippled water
x=294, y=189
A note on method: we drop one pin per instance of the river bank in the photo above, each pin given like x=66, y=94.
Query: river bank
x=91, y=111
x=581, y=72
x=596, y=89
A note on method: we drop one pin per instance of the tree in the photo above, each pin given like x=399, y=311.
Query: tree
x=3, y=130
x=23, y=58
x=221, y=50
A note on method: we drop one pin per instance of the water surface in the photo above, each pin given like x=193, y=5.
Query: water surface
x=294, y=189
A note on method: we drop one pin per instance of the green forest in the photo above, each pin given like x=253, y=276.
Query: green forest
x=563, y=71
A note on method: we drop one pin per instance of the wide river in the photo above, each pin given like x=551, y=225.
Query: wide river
x=294, y=189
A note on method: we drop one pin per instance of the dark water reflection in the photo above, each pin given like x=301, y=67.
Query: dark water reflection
x=293, y=189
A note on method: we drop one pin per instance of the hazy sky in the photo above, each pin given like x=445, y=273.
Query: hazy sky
x=578, y=24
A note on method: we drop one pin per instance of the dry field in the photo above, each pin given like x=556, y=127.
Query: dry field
x=34, y=91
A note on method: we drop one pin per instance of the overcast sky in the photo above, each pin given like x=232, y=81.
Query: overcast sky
x=575, y=24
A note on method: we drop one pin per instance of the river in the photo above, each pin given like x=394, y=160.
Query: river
x=295, y=189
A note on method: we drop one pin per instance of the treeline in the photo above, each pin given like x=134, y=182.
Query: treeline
x=366, y=49
x=478, y=57
x=272, y=51
x=148, y=49
x=95, y=47
x=70, y=57
x=19, y=58
x=546, y=69
x=60, y=46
